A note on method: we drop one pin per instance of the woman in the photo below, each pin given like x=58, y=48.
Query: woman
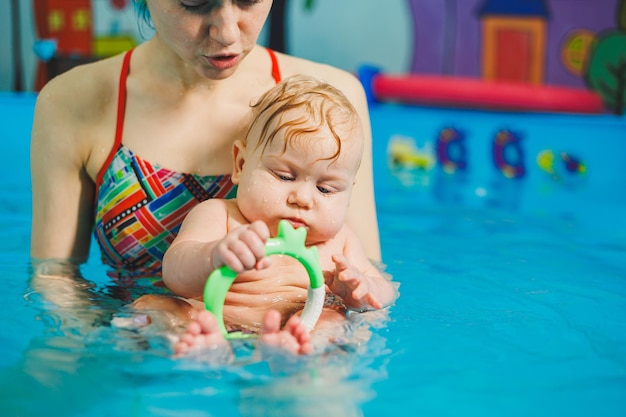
x=126, y=146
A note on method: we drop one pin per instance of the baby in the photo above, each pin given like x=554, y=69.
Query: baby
x=298, y=162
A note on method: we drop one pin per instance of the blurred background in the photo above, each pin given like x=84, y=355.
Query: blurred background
x=534, y=41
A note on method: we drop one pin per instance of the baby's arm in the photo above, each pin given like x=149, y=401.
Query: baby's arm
x=357, y=280
x=205, y=243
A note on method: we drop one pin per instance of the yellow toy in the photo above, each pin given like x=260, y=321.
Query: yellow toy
x=404, y=153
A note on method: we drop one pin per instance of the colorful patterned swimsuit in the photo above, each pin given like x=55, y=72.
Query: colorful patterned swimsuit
x=140, y=206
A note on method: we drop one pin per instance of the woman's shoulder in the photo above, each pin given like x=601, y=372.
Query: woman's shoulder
x=84, y=91
x=345, y=81
x=342, y=79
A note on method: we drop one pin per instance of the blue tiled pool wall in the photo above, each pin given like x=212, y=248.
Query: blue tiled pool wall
x=521, y=161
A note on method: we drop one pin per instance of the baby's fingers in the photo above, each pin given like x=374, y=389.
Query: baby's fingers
x=254, y=237
x=258, y=233
x=244, y=248
x=341, y=263
x=367, y=299
x=260, y=229
x=236, y=255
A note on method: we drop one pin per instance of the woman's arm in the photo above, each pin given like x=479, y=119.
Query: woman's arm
x=62, y=191
x=362, y=211
x=62, y=198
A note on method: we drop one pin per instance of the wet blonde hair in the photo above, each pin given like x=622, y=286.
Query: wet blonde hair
x=318, y=103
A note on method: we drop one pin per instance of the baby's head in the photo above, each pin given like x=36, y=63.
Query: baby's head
x=300, y=158
x=300, y=108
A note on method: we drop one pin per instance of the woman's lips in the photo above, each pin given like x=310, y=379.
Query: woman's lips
x=223, y=62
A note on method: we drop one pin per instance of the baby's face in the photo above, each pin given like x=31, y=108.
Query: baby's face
x=299, y=185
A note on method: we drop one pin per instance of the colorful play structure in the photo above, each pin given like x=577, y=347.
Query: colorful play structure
x=66, y=36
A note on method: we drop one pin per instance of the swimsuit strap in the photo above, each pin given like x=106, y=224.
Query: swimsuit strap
x=121, y=107
x=119, y=123
x=275, y=68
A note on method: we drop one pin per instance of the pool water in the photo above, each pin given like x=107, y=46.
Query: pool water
x=513, y=302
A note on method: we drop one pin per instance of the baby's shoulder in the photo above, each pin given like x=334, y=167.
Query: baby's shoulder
x=219, y=209
x=213, y=205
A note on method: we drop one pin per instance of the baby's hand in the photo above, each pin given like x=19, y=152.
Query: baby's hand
x=243, y=248
x=350, y=284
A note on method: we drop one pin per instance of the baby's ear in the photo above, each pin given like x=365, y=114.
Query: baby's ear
x=239, y=151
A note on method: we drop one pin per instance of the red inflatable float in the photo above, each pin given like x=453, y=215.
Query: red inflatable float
x=476, y=93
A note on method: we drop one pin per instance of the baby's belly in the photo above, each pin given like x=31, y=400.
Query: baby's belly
x=281, y=287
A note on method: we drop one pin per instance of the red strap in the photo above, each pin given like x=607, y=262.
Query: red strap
x=275, y=68
x=121, y=106
x=119, y=124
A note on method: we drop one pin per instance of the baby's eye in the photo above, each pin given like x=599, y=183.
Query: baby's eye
x=283, y=176
x=323, y=190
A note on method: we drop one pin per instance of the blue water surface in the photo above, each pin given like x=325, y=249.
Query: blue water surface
x=513, y=301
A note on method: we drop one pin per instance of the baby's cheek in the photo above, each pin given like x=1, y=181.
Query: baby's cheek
x=329, y=227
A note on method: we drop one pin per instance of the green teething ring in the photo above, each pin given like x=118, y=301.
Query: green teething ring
x=290, y=242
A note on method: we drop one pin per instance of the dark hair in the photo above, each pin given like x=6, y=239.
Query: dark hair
x=141, y=8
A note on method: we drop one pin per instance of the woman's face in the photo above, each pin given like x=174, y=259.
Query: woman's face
x=213, y=36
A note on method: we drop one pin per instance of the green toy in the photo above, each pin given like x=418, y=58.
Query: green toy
x=290, y=242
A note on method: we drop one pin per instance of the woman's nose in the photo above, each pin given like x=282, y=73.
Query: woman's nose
x=224, y=24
